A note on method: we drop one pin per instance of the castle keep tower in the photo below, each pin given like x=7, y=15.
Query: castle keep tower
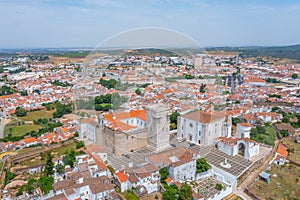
x=158, y=126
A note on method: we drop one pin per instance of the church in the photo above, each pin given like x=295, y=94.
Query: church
x=203, y=127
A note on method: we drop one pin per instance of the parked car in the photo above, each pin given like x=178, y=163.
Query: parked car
x=173, y=145
x=192, y=144
x=127, y=156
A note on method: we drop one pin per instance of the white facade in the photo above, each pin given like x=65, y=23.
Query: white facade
x=203, y=133
x=243, y=130
x=87, y=130
x=181, y=171
x=235, y=146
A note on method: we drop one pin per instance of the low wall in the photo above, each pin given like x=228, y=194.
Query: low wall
x=223, y=193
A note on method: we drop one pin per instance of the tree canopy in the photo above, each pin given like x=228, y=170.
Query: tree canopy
x=49, y=165
x=21, y=112
x=111, y=83
x=62, y=109
x=202, y=165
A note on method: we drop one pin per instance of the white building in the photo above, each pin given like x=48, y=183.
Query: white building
x=121, y=180
x=203, y=127
x=87, y=129
x=182, y=170
x=145, y=178
x=234, y=146
x=243, y=130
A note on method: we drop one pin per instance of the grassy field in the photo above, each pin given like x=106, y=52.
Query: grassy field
x=61, y=151
x=33, y=162
x=285, y=186
x=23, y=129
x=294, y=154
x=34, y=115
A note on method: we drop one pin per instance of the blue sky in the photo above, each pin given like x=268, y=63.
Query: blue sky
x=85, y=23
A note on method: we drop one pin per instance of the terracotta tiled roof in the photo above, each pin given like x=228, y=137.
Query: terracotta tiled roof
x=282, y=150
x=205, y=116
x=121, y=176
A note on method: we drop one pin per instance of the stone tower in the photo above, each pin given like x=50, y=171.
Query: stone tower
x=158, y=127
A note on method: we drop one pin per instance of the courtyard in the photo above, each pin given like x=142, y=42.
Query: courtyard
x=208, y=187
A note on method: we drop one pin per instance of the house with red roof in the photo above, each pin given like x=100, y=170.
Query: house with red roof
x=29, y=141
x=281, y=154
x=121, y=180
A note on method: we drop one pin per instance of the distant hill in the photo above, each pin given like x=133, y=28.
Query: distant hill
x=291, y=52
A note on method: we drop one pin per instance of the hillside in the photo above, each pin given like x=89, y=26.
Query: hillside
x=291, y=52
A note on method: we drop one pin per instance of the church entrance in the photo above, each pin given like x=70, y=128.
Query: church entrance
x=241, y=149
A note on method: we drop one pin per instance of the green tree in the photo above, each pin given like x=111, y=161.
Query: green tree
x=173, y=117
x=59, y=168
x=284, y=133
x=202, y=88
x=62, y=109
x=76, y=134
x=294, y=76
x=226, y=92
x=69, y=159
x=171, y=193
x=164, y=173
x=202, y=165
x=111, y=83
x=49, y=165
x=235, y=121
x=219, y=186
x=186, y=192
x=275, y=108
x=8, y=176
x=286, y=119
x=20, y=112
x=79, y=144
x=46, y=183
x=138, y=91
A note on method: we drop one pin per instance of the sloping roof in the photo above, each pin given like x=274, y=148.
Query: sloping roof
x=29, y=140
x=121, y=176
x=168, y=180
x=264, y=175
x=115, y=122
x=205, y=116
x=282, y=150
